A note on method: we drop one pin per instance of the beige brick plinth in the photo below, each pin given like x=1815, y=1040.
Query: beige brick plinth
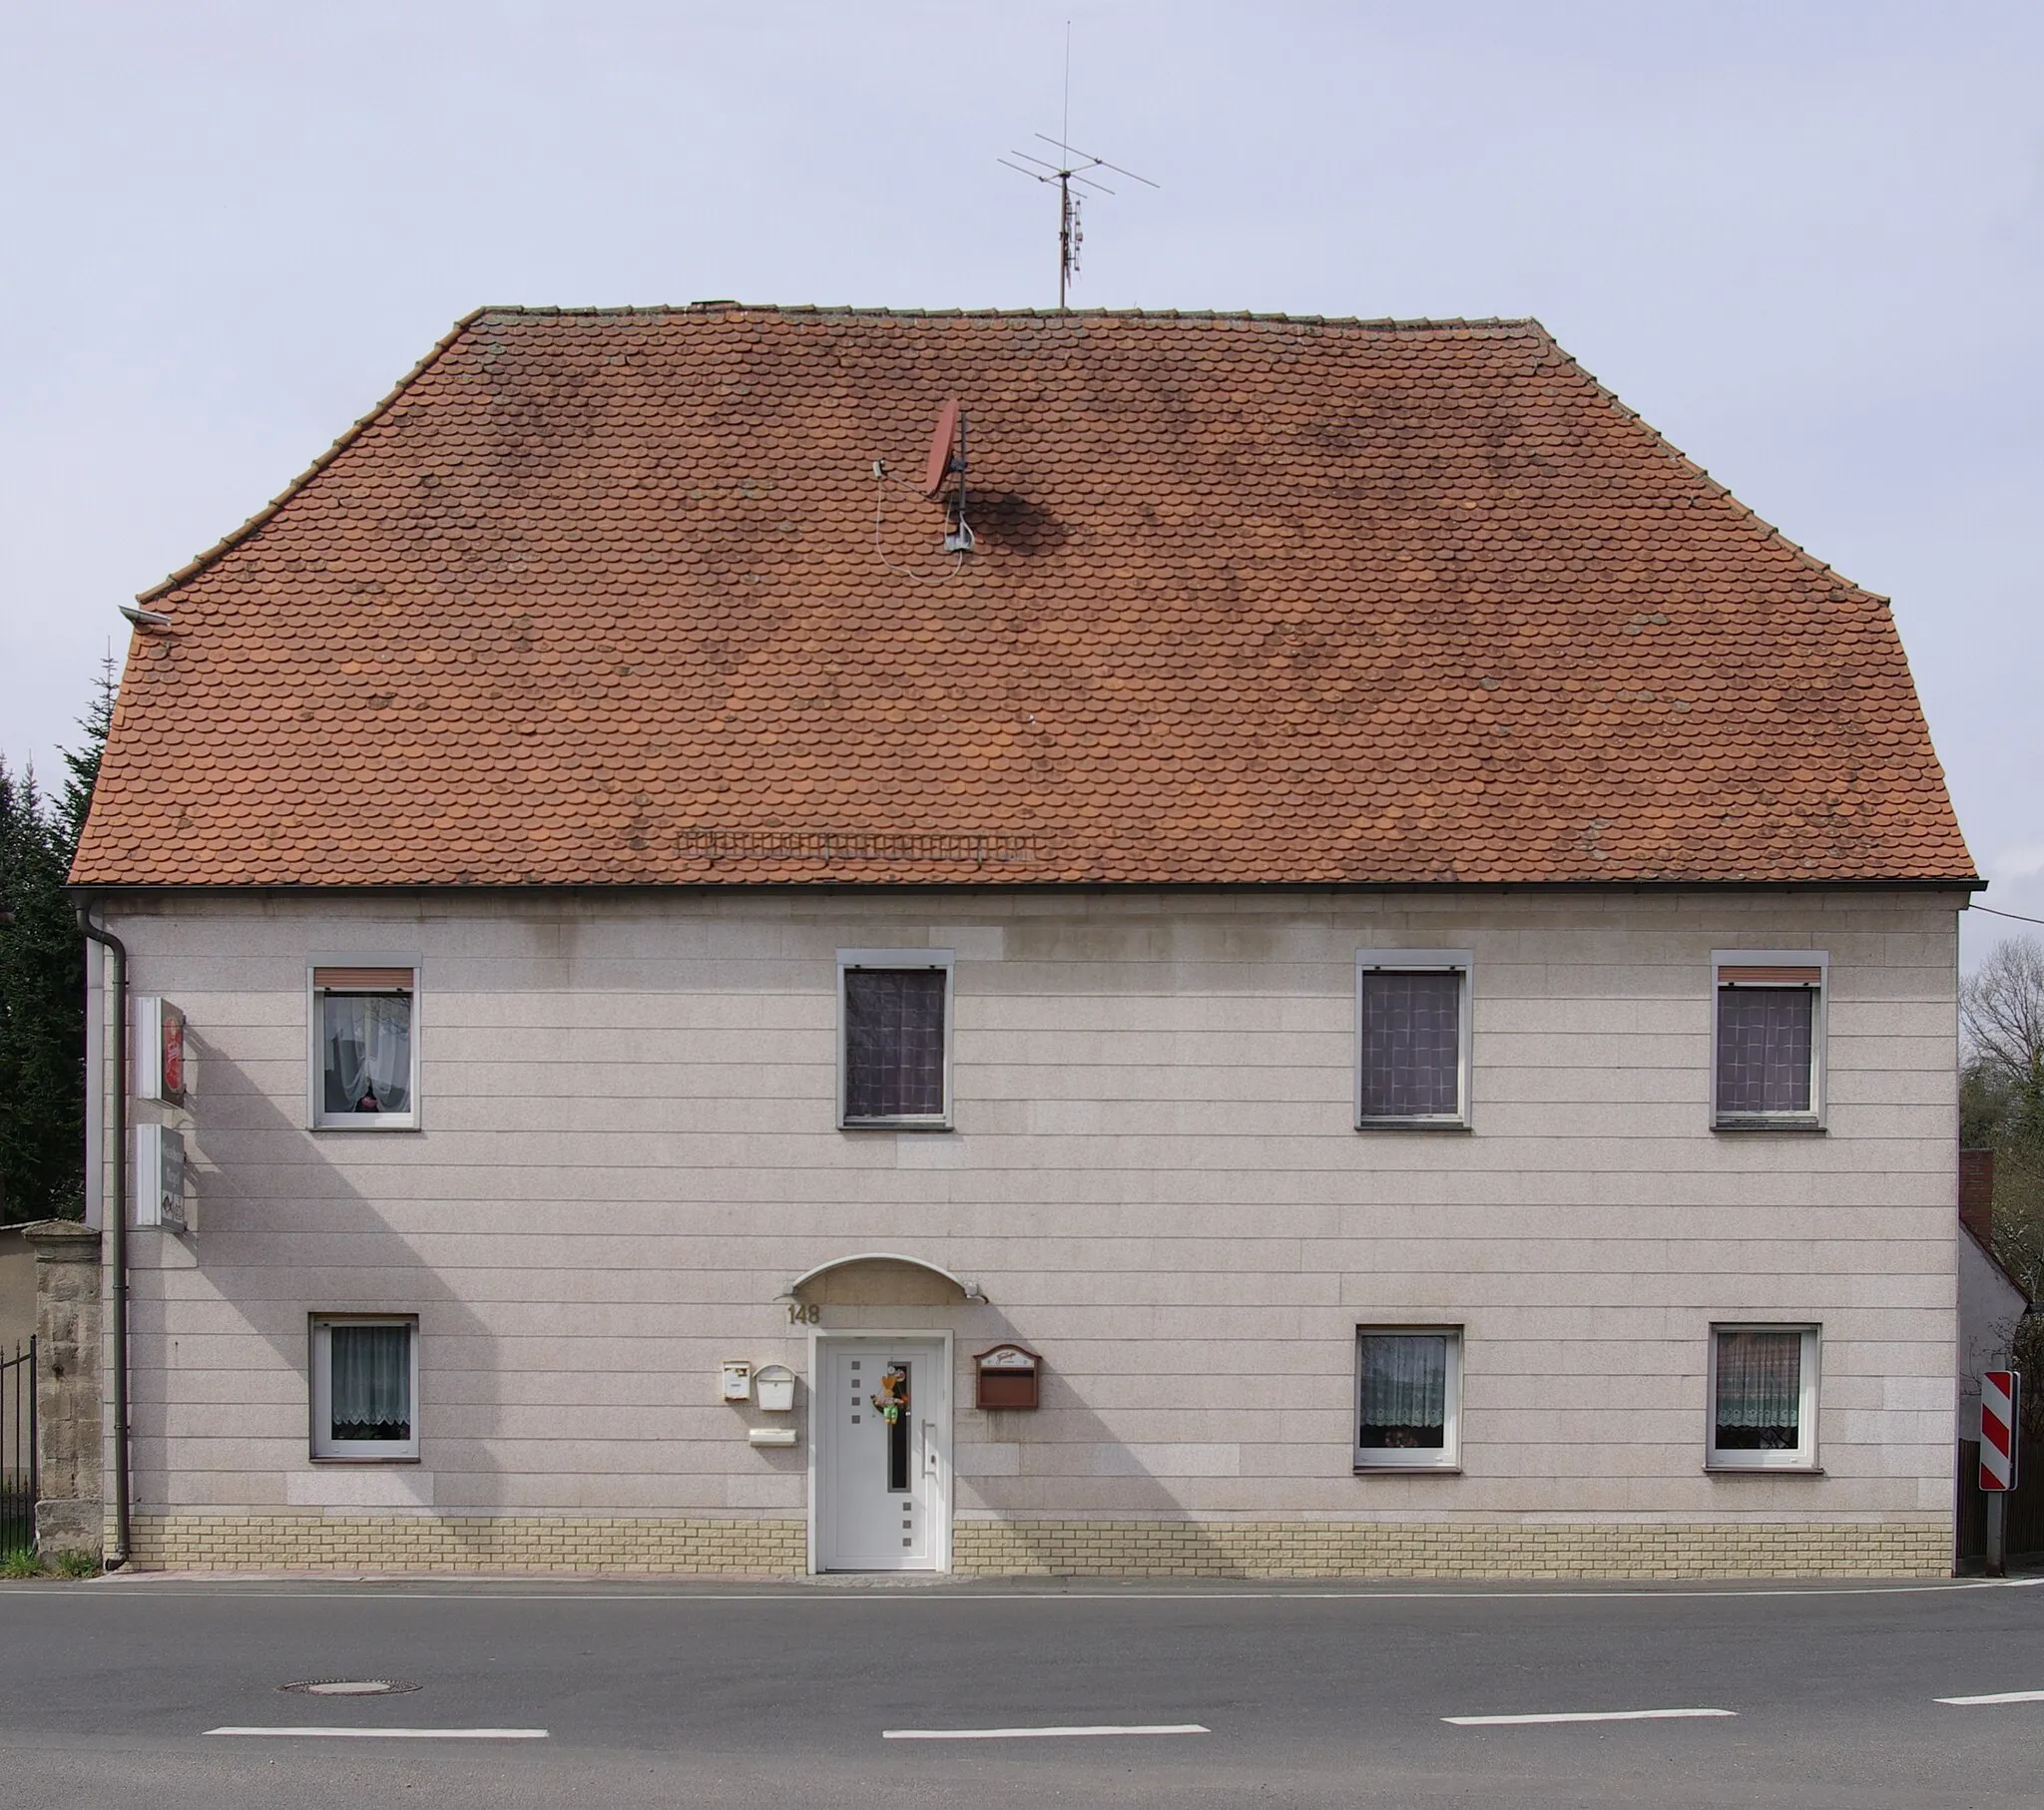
x=313, y=1540
x=1305, y=1549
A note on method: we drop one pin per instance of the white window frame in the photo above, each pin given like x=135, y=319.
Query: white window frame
x=317, y=1118
x=851, y=960
x=1459, y=962
x=1820, y=1014
x=1805, y=1456
x=1379, y=1459
x=326, y=1449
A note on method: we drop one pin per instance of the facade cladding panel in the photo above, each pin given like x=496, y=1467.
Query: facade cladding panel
x=631, y=1146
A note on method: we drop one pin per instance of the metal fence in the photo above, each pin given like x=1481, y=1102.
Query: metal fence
x=17, y=1449
x=2023, y=1530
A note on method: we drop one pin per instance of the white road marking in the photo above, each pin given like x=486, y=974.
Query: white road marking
x=1025, y=1734
x=1999, y=1696
x=1588, y=1715
x=398, y=1734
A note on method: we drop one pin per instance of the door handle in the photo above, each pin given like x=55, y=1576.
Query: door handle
x=929, y=1448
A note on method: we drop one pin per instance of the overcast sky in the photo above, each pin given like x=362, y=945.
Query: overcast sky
x=1803, y=238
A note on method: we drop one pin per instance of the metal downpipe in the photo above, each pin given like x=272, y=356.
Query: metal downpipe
x=117, y=1220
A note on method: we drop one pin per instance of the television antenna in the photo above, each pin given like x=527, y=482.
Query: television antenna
x=1071, y=168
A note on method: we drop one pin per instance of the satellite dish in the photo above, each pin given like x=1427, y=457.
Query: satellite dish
x=939, y=465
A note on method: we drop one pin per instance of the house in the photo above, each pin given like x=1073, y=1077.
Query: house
x=1276, y=945
x=1991, y=1301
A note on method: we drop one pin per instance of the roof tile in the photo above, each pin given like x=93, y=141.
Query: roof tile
x=603, y=598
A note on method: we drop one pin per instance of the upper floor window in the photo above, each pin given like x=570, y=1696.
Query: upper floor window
x=1768, y=1040
x=1412, y=1039
x=365, y=1048
x=894, y=1056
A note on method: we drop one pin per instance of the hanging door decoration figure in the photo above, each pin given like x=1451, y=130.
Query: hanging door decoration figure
x=892, y=1403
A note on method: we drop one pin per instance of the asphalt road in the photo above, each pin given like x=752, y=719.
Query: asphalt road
x=677, y=1695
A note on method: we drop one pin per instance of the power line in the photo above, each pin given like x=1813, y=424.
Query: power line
x=2016, y=915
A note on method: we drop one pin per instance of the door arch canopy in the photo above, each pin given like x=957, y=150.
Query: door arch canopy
x=877, y=1278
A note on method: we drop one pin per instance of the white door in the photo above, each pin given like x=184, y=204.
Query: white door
x=882, y=1420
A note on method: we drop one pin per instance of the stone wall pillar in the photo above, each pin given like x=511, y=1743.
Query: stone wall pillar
x=70, y=1513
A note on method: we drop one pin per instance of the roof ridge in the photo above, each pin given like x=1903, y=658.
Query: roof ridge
x=228, y=542
x=1376, y=323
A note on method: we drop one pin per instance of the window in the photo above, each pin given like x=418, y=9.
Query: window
x=1766, y=1070
x=1412, y=1039
x=366, y=1386
x=1763, y=1398
x=365, y=1048
x=1408, y=1386
x=894, y=1016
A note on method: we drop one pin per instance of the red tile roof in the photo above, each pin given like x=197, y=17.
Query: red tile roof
x=599, y=598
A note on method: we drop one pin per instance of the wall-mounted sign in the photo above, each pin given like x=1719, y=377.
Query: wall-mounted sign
x=159, y=1051
x=1005, y=1377
x=160, y=1176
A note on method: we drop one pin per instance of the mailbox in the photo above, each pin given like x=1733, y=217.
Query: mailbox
x=737, y=1380
x=775, y=1385
x=1005, y=1377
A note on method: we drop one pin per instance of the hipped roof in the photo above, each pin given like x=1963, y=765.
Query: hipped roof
x=614, y=597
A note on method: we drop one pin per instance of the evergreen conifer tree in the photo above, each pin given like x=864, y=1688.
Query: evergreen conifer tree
x=84, y=762
x=42, y=1014
x=42, y=982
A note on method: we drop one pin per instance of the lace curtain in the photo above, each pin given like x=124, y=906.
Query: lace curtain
x=1760, y=1391
x=371, y=1394
x=367, y=1039
x=1404, y=1389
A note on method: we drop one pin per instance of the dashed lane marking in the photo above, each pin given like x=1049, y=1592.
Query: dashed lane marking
x=1998, y=1696
x=395, y=1734
x=1587, y=1715
x=1027, y=1735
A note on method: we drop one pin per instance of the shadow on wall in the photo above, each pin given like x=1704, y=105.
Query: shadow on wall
x=1039, y=1471
x=260, y=1263
x=1035, y=1470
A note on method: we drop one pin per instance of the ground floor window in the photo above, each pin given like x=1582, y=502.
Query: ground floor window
x=365, y=1373
x=1409, y=1384
x=1763, y=1398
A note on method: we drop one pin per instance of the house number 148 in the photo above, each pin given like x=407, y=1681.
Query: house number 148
x=804, y=1313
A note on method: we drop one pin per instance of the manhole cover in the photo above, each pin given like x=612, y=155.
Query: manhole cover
x=349, y=1687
